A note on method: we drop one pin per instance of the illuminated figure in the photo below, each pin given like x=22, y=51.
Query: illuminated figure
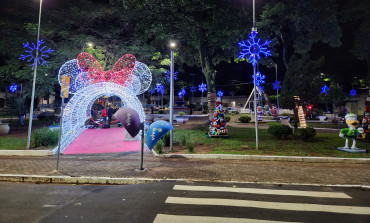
x=351, y=132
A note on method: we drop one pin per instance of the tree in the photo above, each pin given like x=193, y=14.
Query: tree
x=207, y=32
x=298, y=30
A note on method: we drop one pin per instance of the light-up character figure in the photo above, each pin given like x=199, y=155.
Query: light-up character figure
x=352, y=131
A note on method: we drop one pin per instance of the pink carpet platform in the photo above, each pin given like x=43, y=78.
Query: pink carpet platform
x=102, y=141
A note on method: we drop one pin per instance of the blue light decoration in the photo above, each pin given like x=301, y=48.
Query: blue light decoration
x=193, y=89
x=183, y=91
x=13, y=88
x=31, y=53
x=202, y=87
x=220, y=94
x=253, y=48
x=276, y=85
x=151, y=91
x=324, y=90
x=260, y=78
x=261, y=88
x=353, y=92
x=232, y=93
x=167, y=75
x=159, y=87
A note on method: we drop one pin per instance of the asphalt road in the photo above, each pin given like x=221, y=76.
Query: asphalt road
x=180, y=202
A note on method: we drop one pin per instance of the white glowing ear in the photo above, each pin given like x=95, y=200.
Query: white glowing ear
x=143, y=78
x=71, y=69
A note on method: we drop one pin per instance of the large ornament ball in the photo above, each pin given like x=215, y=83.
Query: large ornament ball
x=142, y=72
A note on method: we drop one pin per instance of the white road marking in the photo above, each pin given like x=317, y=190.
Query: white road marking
x=271, y=205
x=164, y=218
x=263, y=191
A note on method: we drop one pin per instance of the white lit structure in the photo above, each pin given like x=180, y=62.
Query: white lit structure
x=78, y=109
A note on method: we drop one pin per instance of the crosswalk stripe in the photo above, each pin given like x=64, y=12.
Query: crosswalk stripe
x=263, y=191
x=164, y=218
x=270, y=205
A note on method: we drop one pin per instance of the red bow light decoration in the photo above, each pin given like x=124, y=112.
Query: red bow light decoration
x=120, y=74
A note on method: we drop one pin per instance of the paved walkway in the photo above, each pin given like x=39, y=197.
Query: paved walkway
x=124, y=165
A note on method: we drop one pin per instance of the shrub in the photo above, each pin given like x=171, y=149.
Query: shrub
x=183, y=140
x=181, y=113
x=306, y=133
x=280, y=131
x=190, y=147
x=166, y=139
x=45, y=137
x=244, y=119
x=227, y=118
x=159, y=147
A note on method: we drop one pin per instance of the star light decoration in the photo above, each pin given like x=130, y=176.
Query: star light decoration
x=253, y=48
x=167, y=75
x=193, y=89
x=276, y=85
x=202, y=87
x=13, y=88
x=353, y=92
x=260, y=78
x=31, y=53
x=220, y=94
x=324, y=90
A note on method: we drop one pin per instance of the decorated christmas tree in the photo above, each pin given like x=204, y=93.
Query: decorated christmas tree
x=218, y=126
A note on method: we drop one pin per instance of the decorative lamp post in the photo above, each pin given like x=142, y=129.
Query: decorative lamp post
x=36, y=60
x=193, y=90
x=172, y=47
x=202, y=88
x=158, y=88
x=252, y=50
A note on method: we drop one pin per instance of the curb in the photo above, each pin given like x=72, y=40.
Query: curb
x=267, y=158
x=124, y=181
x=26, y=153
x=74, y=180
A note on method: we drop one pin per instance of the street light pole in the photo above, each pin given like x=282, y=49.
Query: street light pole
x=254, y=28
x=34, y=83
x=172, y=46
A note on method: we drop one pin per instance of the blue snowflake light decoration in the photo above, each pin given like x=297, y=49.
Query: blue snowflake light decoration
x=276, y=85
x=151, y=91
x=260, y=78
x=13, y=88
x=193, y=89
x=324, y=90
x=261, y=88
x=31, y=53
x=253, y=48
x=220, y=94
x=353, y=92
x=159, y=87
x=202, y=87
x=183, y=92
x=232, y=93
x=167, y=75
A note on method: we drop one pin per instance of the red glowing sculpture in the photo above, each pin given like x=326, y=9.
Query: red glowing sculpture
x=120, y=74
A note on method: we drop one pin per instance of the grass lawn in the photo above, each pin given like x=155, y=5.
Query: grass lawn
x=13, y=143
x=242, y=142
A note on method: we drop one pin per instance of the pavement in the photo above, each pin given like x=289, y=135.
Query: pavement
x=122, y=168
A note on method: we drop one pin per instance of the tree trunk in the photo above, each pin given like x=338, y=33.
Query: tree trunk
x=209, y=73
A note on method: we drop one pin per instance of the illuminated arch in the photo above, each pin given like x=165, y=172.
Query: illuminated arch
x=78, y=109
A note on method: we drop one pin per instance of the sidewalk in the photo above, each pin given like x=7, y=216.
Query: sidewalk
x=124, y=165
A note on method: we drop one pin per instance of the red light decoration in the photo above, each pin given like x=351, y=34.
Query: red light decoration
x=120, y=74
